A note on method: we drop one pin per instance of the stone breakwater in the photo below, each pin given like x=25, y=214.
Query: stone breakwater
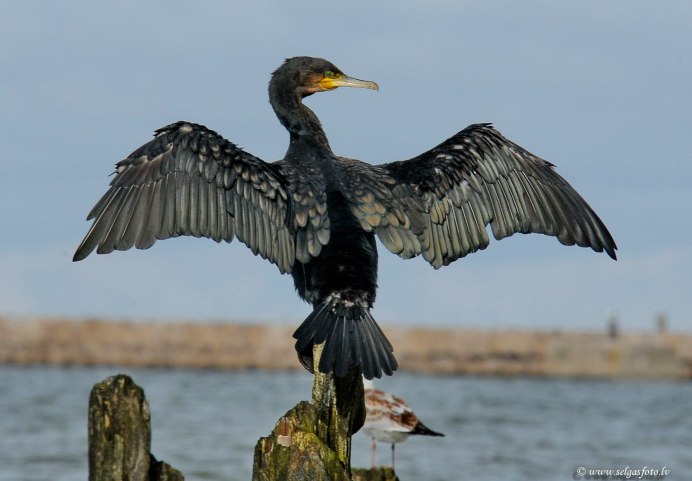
x=424, y=350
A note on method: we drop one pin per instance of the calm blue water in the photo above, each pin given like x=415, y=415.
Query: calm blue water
x=206, y=423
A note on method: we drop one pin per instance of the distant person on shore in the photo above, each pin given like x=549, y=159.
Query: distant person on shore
x=613, y=327
x=661, y=323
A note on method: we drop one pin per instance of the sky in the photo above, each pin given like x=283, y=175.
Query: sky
x=601, y=89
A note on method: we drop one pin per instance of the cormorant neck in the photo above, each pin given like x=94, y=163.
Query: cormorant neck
x=299, y=120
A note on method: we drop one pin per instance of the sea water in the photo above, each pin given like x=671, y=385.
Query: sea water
x=206, y=424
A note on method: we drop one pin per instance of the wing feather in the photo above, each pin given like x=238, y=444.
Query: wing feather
x=147, y=236
x=138, y=217
x=188, y=180
x=477, y=178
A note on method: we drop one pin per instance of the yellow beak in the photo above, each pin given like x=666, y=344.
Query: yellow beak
x=346, y=81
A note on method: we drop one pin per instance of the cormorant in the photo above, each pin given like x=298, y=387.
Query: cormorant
x=315, y=214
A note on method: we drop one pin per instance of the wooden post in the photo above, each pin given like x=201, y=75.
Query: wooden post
x=120, y=435
x=383, y=473
x=340, y=408
x=313, y=440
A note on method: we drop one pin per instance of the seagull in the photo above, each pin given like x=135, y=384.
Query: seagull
x=389, y=419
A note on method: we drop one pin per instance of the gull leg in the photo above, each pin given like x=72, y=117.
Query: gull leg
x=392, y=456
x=373, y=453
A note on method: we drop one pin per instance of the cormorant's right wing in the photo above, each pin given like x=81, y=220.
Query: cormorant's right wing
x=476, y=178
x=189, y=180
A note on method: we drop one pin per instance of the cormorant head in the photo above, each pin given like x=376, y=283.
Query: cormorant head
x=307, y=75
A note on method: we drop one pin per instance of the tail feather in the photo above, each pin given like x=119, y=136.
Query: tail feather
x=335, y=347
x=424, y=430
x=372, y=333
x=367, y=364
x=351, y=337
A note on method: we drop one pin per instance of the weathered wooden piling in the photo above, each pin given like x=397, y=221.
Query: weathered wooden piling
x=120, y=435
x=383, y=473
x=311, y=441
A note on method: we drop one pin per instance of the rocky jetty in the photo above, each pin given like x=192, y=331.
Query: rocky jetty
x=423, y=350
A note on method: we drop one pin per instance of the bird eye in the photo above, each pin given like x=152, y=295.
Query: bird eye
x=329, y=74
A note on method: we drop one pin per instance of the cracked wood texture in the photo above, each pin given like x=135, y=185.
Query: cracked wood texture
x=120, y=435
x=313, y=440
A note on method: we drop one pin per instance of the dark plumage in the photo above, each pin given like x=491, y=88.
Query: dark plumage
x=316, y=215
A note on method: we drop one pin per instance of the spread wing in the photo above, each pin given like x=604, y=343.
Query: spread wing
x=450, y=194
x=189, y=180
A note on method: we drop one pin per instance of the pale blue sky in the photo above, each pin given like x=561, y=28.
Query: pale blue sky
x=601, y=89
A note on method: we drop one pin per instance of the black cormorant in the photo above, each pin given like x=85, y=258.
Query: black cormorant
x=315, y=214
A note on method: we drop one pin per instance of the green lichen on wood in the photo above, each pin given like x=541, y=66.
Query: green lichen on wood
x=119, y=432
x=375, y=474
x=294, y=452
x=340, y=407
x=120, y=435
x=313, y=440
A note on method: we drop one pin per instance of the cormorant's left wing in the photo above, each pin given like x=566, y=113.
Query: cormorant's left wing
x=477, y=177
